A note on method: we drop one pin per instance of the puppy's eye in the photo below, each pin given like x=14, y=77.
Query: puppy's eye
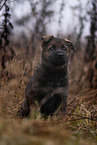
x=52, y=48
x=64, y=48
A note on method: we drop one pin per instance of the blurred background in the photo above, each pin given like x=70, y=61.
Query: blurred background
x=24, y=22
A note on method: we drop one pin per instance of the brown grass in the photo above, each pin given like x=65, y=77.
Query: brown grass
x=53, y=130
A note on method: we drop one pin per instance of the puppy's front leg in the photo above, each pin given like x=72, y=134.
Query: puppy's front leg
x=24, y=111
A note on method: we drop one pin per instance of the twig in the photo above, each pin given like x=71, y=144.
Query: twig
x=75, y=98
x=74, y=114
x=84, y=117
x=12, y=96
x=22, y=76
x=92, y=118
x=71, y=102
x=3, y=4
x=14, y=91
x=78, y=119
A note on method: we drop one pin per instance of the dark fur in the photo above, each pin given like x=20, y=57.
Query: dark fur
x=49, y=83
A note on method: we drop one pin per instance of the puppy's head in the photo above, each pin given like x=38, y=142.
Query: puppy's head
x=55, y=51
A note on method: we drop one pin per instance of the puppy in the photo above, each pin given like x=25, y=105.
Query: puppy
x=49, y=83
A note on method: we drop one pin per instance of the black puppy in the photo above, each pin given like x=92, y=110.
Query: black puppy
x=49, y=83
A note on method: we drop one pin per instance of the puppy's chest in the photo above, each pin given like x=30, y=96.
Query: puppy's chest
x=55, y=80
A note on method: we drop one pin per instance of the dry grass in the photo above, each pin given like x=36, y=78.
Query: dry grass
x=37, y=130
x=27, y=132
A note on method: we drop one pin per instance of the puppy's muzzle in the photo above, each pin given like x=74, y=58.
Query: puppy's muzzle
x=59, y=54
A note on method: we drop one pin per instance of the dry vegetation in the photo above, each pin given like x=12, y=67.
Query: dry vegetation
x=80, y=125
x=76, y=129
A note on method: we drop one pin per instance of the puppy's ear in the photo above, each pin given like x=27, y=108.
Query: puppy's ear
x=46, y=39
x=70, y=45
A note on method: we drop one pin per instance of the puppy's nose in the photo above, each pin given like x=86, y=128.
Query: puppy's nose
x=59, y=54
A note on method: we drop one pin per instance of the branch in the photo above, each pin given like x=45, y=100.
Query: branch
x=3, y=4
x=92, y=118
x=71, y=102
x=11, y=96
x=26, y=69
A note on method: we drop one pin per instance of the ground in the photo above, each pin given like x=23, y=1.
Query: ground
x=77, y=128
